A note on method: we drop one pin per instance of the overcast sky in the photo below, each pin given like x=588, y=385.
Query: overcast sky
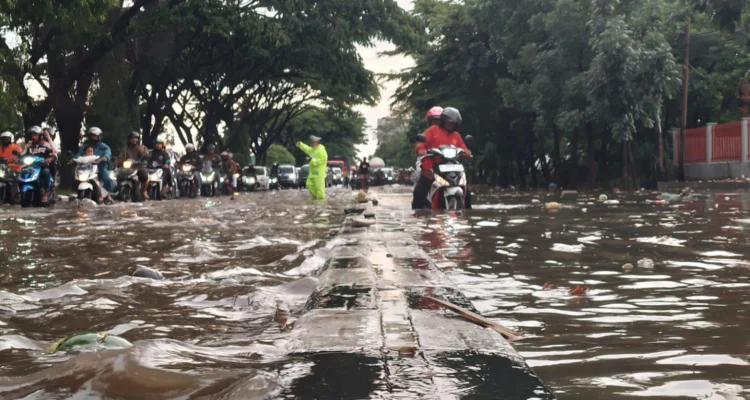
x=381, y=65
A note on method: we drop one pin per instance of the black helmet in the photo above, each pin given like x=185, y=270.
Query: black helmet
x=210, y=147
x=134, y=134
x=450, y=114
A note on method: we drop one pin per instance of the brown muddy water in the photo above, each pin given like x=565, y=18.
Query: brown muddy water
x=677, y=329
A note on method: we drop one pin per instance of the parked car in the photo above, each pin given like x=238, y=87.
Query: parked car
x=389, y=175
x=262, y=173
x=288, y=176
x=303, y=172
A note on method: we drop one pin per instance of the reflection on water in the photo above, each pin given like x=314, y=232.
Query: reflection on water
x=216, y=328
x=673, y=327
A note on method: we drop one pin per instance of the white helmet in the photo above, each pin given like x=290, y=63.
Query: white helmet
x=95, y=131
x=6, y=135
x=35, y=129
x=189, y=147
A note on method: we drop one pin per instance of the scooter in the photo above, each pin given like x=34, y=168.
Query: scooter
x=449, y=189
x=156, y=183
x=186, y=181
x=248, y=181
x=209, y=180
x=8, y=183
x=128, y=184
x=29, y=181
x=87, y=178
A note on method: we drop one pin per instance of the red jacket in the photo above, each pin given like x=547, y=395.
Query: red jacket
x=436, y=137
x=7, y=153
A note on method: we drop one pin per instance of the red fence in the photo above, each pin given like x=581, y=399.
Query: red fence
x=726, y=143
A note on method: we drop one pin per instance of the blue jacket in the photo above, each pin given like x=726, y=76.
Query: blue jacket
x=101, y=150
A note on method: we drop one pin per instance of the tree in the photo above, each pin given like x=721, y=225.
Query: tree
x=278, y=154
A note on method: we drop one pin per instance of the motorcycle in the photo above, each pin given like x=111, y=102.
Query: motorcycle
x=209, y=180
x=226, y=187
x=128, y=185
x=156, y=184
x=29, y=181
x=8, y=183
x=186, y=181
x=449, y=189
x=87, y=178
x=248, y=181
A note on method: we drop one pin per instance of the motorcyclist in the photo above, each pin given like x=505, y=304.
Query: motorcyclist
x=443, y=133
x=160, y=159
x=134, y=151
x=364, y=174
x=274, y=170
x=212, y=156
x=228, y=167
x=103, y=151
x=36, y=145
x=7, y=149
x=192, y=157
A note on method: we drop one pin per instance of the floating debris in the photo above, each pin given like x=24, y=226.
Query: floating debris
x=646, y=263
x=603, y=197
x=627, y=267
x=552, y=206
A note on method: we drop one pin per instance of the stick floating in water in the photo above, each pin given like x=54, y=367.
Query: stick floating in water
x=478, y=319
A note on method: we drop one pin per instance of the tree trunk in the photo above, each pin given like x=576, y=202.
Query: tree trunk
x=660, y=138
x=69, y=118
x=590, y=156
x=521, y=170
x=556, y=160
x=683, y=119
x=624, y=166
x=530, y=161
x=633, y=169
x=573, y=166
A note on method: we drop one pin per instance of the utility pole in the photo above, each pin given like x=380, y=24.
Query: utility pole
x=683, y=122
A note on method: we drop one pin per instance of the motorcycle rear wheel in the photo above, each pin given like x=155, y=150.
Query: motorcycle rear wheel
x=27, y=198
x=125, y=194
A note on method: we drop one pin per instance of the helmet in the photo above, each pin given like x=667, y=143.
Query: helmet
x=134, y=134
x=51, y=131
x=161, y=139
x=6, y=138
x=210, y=147
x=229, y=155
x=434, y=112
x=189, y=147
x=450, y=114
x=224, y=154
x=94, y=131
x=34, y=130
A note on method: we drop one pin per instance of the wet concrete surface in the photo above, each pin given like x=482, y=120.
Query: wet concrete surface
x=213, y=329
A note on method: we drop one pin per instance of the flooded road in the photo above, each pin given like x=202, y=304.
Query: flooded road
x=211, y=330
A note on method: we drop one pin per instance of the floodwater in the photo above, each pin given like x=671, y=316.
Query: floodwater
x=215, y=329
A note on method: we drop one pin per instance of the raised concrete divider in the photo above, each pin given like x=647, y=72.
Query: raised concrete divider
x=368, y=321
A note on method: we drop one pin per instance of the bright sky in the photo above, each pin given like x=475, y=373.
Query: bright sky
x=379, y=64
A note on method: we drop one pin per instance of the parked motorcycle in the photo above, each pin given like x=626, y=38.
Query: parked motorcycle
x=449, y=189
x=186, y=181
x=128, y=184
x=29, y=181
x=87, y=178
x=8, y=183
x=209, y=180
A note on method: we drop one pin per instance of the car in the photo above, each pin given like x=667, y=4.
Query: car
x=262, y=174
x=303, y=172
x=389, y=175
x=338, y=176
x=288, y=176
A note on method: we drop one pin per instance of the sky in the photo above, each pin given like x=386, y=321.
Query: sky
x=379, y=64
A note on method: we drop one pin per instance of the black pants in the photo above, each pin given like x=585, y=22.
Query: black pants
x=142, y=174
x=421, y=189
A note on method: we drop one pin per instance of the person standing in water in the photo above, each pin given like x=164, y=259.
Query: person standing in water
x=316, y=178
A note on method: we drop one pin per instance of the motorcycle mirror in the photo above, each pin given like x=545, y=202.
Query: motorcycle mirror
x=468, y=139
x=16, y=153
x=421, y=138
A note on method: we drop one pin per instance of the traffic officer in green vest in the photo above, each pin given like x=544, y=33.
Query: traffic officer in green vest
x=316, y=178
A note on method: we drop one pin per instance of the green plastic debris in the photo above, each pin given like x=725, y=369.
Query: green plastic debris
x=90, y=341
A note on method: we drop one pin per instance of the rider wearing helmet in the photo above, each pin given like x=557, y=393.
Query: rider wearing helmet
x=138, y=153
x=192, y=157
x=230, y=168
x=443, y=133
x=212, y=156
x=160, y=159
x=7, y=148
x=94, y=136
x=35, y=144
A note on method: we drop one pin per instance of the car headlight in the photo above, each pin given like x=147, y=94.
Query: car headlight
x=113, y=175
x=127, y=164
x=28, y=160
x=187, y=168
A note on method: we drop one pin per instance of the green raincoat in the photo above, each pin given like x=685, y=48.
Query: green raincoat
x=316, y=178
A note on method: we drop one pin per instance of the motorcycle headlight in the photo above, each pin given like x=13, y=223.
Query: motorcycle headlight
x=272, y=180
x=2, y=173
x=236, y=176
x=450, y=153
x=208, y=179
x=441, y=181
x=113, y=175
x=153, y=177
x=127, y=164
x=28, y=160
x=187, y=168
